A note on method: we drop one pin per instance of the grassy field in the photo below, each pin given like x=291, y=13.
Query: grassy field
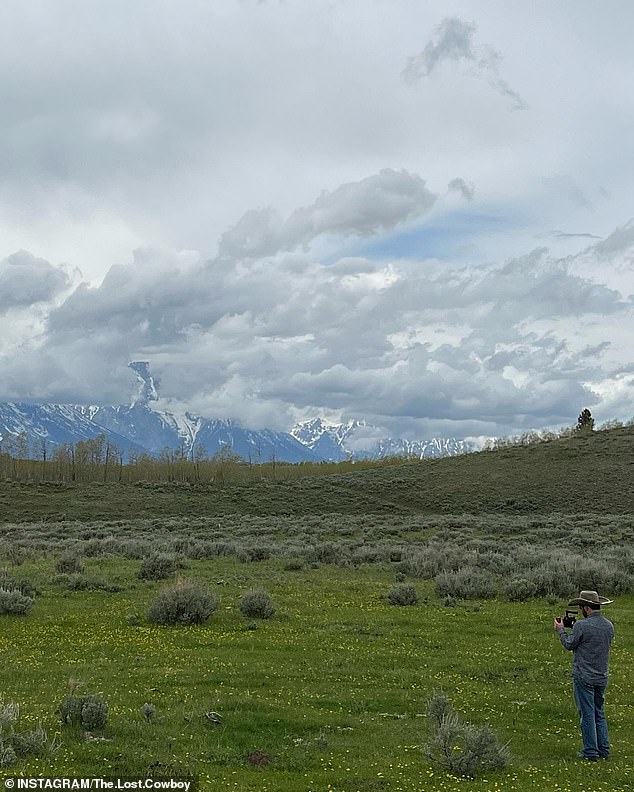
x=330, y=693
x=333, y=688
x=584, y=473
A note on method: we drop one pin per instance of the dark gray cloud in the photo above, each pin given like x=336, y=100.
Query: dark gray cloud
x=454, y=41
x=26, y=280
x=464, y=188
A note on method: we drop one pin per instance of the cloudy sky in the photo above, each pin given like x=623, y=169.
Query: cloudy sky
x=414, y=213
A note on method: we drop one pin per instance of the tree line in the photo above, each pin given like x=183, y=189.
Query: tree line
x=98, y=459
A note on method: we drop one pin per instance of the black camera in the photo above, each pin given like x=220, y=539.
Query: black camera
x=570, y=618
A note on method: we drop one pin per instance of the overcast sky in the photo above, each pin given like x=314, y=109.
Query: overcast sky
x=413, y=213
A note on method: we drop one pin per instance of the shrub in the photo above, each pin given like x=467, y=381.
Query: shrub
x=254, y=553
x=34, y=742
x=326, y=553
x=157, y=567
x=69, y=564
x=94, y=713
x=553, y=578
x=75, y=582
x=466, y=583
x=213, y=549
x=15, y=743
x=462, y=748
x=519, y=589
x=294, y=565
x=438, y=707
x=7, y=754
x=432, y=560
x=89, y=712
x=16, y=555
x=14, y=603
x=257, y=604
x=369, y=555
x=600, y=575
x=184, y=603
x=403, y=595
x=621, y=583
x=501, y=564
x=148, y=711
x=25, y=587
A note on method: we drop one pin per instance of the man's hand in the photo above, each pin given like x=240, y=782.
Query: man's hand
x=558, y=624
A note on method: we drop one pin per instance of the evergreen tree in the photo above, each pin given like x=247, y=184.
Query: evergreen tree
x=585, y=421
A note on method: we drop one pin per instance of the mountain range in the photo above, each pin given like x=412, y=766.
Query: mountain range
x=137, y=428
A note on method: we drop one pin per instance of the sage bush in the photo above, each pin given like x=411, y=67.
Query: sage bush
x=257, y=604
x=460, y=747
x=183, y=603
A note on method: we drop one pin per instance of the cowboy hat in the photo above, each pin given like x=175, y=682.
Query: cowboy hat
x=590, y=598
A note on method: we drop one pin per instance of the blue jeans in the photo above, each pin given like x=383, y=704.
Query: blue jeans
x=594, y=728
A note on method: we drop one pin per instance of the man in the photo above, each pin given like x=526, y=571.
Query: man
x=590, y=641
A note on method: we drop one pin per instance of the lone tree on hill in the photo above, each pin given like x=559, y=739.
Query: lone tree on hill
x=585, y=421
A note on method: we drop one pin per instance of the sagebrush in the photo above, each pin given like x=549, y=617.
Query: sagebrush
x=183, y=603
x=460, y=747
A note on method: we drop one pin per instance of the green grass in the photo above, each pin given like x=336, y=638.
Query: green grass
x=333, y=687
x=588, y=472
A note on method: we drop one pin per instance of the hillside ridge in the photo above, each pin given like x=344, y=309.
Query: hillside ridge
x=590, y=472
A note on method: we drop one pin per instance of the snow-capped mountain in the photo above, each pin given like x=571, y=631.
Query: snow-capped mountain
x=422, y=449
x=138, y=428
x=45, y=426
x=325, y=439
x=357, y=440
x=193, y=436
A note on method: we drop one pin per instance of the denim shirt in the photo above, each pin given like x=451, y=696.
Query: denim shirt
x=590, y=640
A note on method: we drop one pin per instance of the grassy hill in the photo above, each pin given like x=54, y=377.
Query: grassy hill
x=584, y=473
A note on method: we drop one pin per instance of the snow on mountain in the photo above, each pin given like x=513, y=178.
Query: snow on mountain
x=137, y=428
x=193, y=436
x=48, y=425
x=422, y=449
x=188, y=427
x=356, y=440
x=152, y=431
x=325, y=439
